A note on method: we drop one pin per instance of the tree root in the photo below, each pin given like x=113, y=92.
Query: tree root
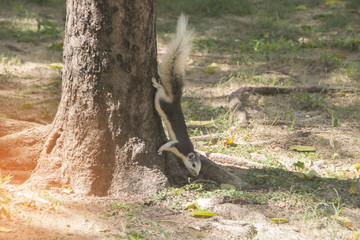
x=241, y=95
x=212, y=171
x=178, y=175
x=232, y=161
x=21, y=150
x=9, y=126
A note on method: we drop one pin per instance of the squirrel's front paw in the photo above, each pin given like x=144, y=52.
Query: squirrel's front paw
x=159, y=152
x=155, y=83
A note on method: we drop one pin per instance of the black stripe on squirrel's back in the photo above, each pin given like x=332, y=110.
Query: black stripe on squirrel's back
x=175, y=116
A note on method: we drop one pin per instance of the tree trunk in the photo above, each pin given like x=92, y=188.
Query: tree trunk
x=106, y=132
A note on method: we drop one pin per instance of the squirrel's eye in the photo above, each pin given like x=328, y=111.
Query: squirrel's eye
x=193, y=165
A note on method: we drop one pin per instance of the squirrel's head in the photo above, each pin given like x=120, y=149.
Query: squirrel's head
x=193, y=163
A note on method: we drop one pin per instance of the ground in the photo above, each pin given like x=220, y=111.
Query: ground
x=291, y=45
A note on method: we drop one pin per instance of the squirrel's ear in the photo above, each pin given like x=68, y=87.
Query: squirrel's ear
x=191, y=156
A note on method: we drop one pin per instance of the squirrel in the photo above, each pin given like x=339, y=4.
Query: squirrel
x=168, y=97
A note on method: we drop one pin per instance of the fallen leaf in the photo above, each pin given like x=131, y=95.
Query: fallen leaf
x=211, y=69
x=192, y=206
x=301, y=8
x=339, y=56
x=100, y=230
x=331, y=2
x=228, y=141
x=261, y=101
x=342, y=94
x=301, y=148
x=343, y=221
x=202, y=213
x=67, y=189
x=55, y=65
x=279, y=220
x=352, y=190
x=27, y=106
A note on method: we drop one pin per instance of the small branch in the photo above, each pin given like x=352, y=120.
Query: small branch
x=233, y=161
x=286, y=90
x=213, y=171
x=207, y=137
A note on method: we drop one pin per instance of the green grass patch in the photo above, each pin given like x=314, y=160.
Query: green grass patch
x=206, y=119
x=305, y=198
x=45, y=30
x=132, y=211
x=196, y=111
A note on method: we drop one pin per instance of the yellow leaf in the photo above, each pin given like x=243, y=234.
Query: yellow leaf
x=211, y=69
x=331, y=2
x=279, y=220
x=301, y=148
x=100, y=230
x=55, y=65
x=357, y=166
x=352, y=190
x=4, y=229
x=228, y=141
x=231, y=140
x=261, y=101
x=27, y=106
x=202, y=213
x=342, y=94
x=67, y=189
x=192, y=206
x=339, y=56
x=301, y=8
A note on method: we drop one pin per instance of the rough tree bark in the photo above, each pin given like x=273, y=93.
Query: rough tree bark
x=106, y=133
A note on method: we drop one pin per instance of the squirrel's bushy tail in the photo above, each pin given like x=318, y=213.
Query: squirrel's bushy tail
x=172, y=66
